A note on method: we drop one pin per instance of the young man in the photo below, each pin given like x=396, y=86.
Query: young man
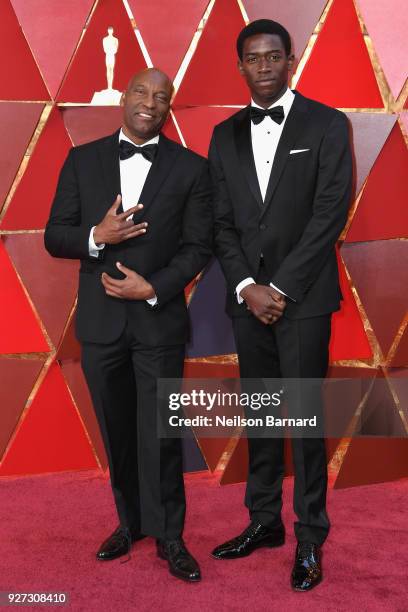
x=282, y=172
x=132, y=321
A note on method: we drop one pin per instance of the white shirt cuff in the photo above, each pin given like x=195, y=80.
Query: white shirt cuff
x=244, y=283
x=152, y=301
x=92, y=247
x=277, y=289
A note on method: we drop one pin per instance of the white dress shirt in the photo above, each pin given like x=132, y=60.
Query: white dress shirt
x=133, y=174
x=265, y=138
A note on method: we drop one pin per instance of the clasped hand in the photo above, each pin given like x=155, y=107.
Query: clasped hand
x=265, y=303
x=132, y=287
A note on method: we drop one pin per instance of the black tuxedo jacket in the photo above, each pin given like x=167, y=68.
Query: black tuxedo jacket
x=305, y=208
x=177, y=205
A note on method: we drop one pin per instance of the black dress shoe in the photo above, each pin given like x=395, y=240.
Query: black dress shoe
x=307, y=571
x=255, y=536
x=181, y=563
x=119, y=543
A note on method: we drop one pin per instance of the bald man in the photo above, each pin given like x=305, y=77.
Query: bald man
x=135, y=209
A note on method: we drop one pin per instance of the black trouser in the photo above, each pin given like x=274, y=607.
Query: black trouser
x=146, y=472
x=287, y=349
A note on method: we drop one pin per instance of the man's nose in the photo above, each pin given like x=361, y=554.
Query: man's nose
x=149, y=101
x=263, y=65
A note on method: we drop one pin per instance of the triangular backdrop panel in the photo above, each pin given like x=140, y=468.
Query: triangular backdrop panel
x=383, y=208
x=17, y=125
x=373, y=460
x=328, y=76
x=197, y=124
x=177, y=25
x=69, y=347
x=51, y=283
x=87, y=72
x=212, y=76
x=50, y=26
x=19, y=329
x=369, y=133
x=51, y=437
x=86, y=123
x=31, y=203
x=299, y=17
x=18, y=377
x=386, y=24
x=20, y=77
x=210, y=325
x=379, y=272
x=75, y=379
x=400, y=358
x=398, y=379
x=348, y=338
x=211, y=448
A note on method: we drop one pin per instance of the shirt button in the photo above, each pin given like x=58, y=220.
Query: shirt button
x=268, y=132
x=267, y=162
x=262, y=226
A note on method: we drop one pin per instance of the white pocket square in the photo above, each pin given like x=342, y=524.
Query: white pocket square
x=297, y=151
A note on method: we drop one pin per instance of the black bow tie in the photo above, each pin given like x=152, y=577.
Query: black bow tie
x=258, y=114
x=127, y=149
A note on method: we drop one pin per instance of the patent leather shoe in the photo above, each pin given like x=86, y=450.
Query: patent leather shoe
x=181, y=563
x=253, y=537
x=117, y=544
x=307, y=570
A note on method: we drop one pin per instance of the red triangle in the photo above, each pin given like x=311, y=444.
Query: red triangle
x=400, y=358
x=51, y=437
x=379, y=272
x=87, y=72
x=383, y=210
x=212, y=76
x=19, y=330
x=339, y=70
x=20, y=77
x=373, y=460
x=30, y=206
x=152, y=16
x=18, y=122
x=19, y=376
x=196, y=125
x=51, y=283
x=75, y=380
x=69, y=347
x=348, y=337
x=49, y=26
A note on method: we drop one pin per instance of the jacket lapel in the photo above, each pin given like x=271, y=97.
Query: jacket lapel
x=290, y=133
x=160, y=168
x=109, y=155
x=243, y=143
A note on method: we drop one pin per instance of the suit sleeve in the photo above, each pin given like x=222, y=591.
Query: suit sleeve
x=195, y=245
x=65, y=235
x=302, y=265
x=227, y=242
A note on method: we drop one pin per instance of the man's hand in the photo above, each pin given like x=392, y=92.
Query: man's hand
x=114, y=228
x=265, y=303
x=133, y=287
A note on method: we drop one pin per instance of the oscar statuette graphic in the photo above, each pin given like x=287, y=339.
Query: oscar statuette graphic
x=109, y=96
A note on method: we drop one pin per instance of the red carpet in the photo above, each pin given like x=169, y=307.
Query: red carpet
x=53, y=524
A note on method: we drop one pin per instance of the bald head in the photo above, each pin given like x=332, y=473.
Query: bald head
x=146, y=104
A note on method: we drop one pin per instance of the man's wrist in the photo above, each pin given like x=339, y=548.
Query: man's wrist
x=98, y=239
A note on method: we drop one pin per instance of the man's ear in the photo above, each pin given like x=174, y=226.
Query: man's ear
x=240, y=67
x=122, y=99
x=291, y=61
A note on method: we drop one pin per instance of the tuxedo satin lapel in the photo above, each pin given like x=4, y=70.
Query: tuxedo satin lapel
x=290, y=133
x=109, y=155
x=160, y=168
x=242, y=134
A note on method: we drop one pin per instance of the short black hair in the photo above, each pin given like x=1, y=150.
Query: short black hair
x=263, y=26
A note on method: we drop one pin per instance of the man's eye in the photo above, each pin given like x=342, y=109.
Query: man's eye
x=251, y=60
x=274, y=58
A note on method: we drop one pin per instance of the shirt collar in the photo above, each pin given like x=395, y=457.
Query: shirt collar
x=285, y=100
x=123, y=136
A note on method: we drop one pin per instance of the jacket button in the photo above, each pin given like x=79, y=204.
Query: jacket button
x=262, y=226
